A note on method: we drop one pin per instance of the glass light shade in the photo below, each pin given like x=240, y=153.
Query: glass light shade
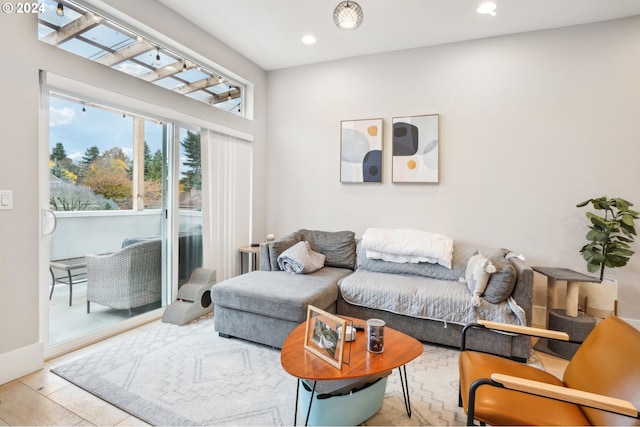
x=348, y=15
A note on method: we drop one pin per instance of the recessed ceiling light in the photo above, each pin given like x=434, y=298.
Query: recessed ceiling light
x=487, y=8
x=308, y=39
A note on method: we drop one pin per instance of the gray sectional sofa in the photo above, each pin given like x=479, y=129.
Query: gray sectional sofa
x=265, y=305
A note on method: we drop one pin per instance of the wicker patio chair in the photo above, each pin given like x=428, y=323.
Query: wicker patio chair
x=128, y=278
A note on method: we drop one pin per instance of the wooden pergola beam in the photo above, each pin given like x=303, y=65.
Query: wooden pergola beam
x=217, y=99
x=166, y=71
x=125, y=53
x=198, y=85
x=73, y=28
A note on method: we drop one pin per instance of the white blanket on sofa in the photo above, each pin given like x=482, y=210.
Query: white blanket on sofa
x=407, y=245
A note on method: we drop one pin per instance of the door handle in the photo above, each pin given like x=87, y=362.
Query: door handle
x=49, y=222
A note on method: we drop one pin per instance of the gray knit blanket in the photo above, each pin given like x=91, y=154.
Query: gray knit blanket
x=300, y=259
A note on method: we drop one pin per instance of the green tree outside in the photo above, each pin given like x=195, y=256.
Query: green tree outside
x=90, y=155
x=153, y=169
x=193, y=175
x=58, y=152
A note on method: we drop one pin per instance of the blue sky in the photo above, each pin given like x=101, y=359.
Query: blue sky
x=98, y=127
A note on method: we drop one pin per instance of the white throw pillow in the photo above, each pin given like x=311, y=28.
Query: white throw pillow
x=479, y=270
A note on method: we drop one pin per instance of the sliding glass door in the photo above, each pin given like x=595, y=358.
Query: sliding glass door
x=125, y=191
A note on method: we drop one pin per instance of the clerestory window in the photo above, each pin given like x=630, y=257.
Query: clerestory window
x=71, y=27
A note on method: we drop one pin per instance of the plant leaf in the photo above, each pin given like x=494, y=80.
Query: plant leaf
x=592, y=267
x=627, y=219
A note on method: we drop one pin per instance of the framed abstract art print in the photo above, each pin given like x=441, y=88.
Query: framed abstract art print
x=415, y=149
x=361, y=151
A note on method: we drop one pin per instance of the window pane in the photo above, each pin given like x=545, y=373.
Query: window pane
x=109, y=37
x=192, y=75
x=169, y=83
x=91, y=157
x=190, y=205
x=190, y=170
x=153, y=165
x=44, y=30
x=50, y=16
x=150, y=58
x=200, y=95
x=84, y=49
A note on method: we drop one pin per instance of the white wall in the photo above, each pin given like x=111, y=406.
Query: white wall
x=21, y=349
x=530, y=125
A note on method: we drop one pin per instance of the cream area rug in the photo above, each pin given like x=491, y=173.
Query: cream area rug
x=188, y=375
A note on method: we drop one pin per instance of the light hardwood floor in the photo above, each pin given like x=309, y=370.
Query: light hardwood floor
x=43, y=398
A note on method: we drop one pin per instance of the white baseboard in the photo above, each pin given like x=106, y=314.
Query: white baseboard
x=633, y=322
x=20, y=362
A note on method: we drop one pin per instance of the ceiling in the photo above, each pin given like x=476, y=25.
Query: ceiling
x=269, y=32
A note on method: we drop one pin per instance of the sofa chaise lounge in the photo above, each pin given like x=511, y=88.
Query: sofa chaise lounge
x=265, y=305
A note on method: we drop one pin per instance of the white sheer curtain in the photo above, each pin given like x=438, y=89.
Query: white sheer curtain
x=226, y=201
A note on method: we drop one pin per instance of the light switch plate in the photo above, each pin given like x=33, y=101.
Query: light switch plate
x=6, y=199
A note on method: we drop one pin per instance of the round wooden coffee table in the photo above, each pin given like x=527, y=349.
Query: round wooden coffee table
x=399, y=349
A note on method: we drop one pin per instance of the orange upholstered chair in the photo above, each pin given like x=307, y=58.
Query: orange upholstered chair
x=601, y=382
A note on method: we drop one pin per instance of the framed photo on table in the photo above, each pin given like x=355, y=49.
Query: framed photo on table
x=322, y=337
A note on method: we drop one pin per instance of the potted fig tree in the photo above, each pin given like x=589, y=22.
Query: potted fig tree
x=611, y=231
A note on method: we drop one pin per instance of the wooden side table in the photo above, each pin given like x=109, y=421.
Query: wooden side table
x=399, y=349
x=252, y=255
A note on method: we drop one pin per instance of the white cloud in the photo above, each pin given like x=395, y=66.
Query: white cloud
x=75, y=157
x=60, y=116
x=132, y=69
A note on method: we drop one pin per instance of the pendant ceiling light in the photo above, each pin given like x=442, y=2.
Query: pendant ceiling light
x=348, y=15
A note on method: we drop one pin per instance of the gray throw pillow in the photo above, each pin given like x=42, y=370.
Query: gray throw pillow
x=502, y=282
x=339, y=247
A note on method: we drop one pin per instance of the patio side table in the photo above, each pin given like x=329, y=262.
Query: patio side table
x=70, y=265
